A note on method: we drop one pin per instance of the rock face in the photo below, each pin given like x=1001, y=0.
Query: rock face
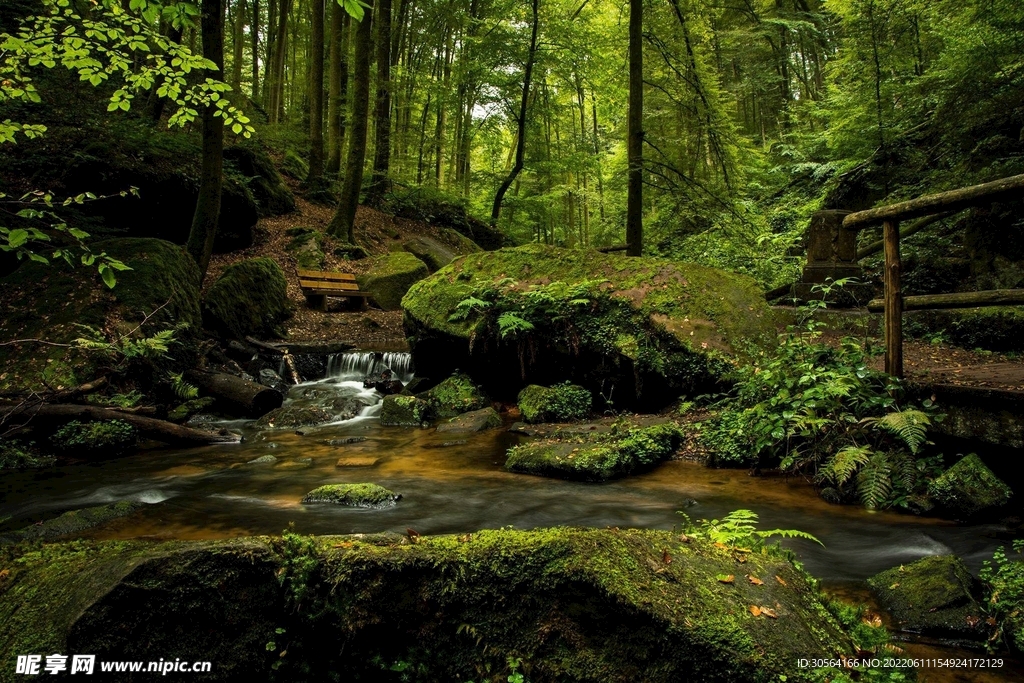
x=595, y=457
x=50, y=301
x=272, y=196
x=560, y=403
x=968, y=487
x=638, y=331
x=390, y=276
x=249, y=298
x=933, y=596
x=474, y=421
x=581, y=605
x=353, y=495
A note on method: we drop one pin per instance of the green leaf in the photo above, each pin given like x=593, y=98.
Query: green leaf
x=107, y=273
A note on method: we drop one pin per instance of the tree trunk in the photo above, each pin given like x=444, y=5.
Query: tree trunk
x=276, y=100
x=382, y=115
x=241, y=396
x=236, y=45
x=521, y=121
x=337, y=87
x=254, y=29
x=207, y=214
x=635, y=141
x=316, y=93
x=343, y=223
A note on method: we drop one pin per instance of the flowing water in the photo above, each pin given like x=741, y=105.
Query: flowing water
x=214, y=492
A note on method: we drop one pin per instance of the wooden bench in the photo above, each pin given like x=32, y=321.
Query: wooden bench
x=317, y=285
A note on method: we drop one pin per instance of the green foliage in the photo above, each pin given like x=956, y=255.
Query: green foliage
x=739, y=529
x=107, y=437
x=1004, y=595
x=559, y=403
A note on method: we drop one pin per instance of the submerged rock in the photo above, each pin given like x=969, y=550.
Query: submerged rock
x=346, y=441
x=390, y=276
x=357, y=461
x=641, y=331
x=354, y=495
x=474, y=421
x=932, y=596
x=263, y=460
x=582, y=605
x=404, y=411
x=968, y=487
x=73, y=522
x=560, y=403
x=292, y=417
x=597, y=457
x=250, y=298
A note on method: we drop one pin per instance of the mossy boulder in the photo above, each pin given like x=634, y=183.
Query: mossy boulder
x=969, y=487
x=389, y=277
x=575, y=605
x=932, y=596
x=294, y=165
x=50, y=302
x=105, y=437
x=560, y=403
x=254, y=165
x=435, y=254
x=456, y=395
x=73, y=522
x=638, y=331
x=405, y=411
x=352, y=252
x=353, y=495
x=473, y=421
x=306, y=244
x=183, y=411
x=597, y=457
x=250, y=298
x=293, y=417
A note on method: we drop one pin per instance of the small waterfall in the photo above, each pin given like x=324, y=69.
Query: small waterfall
x=358, y=364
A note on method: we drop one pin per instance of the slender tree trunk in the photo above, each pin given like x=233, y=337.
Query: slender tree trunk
x=343, y=223
x=269, y=52
x=382, y=115
x=236, y=46
x=442, y=107
x=204, y=221
x=276, y=104
x=597, y=156
x=521, y=121
x=316, y=93
x=635, y=140
x=338, y=88
x=254, y=30
x=157, y=103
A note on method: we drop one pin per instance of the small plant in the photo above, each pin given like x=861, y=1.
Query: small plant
x=109, y=437
x=739, y=528
x=1004, y=591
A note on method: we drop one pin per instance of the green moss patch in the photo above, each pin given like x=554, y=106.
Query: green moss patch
x=597, y=457
x=389, y=277
x=353, y=495
x=292, y=417
x=74, y=521
x=454, y=396
x=968, y=487
x=106, y=437
x=306, y=244
x=561, y=403
x=404, y=411
x=250, y=298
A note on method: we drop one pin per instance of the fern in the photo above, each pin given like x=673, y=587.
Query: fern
x=909, y=426
x=182, y=389
x=740, y=527
x=466, y=307
x=845, y=464
x=510, y=324
x=874, y=484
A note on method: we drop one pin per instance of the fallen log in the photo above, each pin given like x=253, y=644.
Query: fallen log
x=158, y=430
x=238, y=395
x=613, y=248
x=928, y=302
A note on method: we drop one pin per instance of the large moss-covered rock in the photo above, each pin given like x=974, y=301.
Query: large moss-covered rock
x=560, y=403
x=353, y=495
x=306, y=244
x=389, y=277
x=73, y=522
x=250, y=298
x=454, y=396
x=50, y=302
x=637, y=331
x=932, y=596
x=968, y=487
x=405, y=411
x=596, y=457
x=293, y=417
x=473, y=421
x=261, y=177
x=571, y=605
x=437, y=255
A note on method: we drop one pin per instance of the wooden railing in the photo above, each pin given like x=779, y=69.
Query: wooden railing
x=893, y=304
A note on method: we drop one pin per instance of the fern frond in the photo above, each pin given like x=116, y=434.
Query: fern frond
x=903, y=471
x=873, y=481
x=789, y=533
x=909, y=426
x=845, y=464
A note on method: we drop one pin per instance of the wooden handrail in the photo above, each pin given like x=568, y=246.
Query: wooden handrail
x=931, y=302
x=954, y=200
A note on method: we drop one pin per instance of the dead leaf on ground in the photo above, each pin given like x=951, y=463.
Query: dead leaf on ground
x=755, y=610
x=754, y=580
x=780, y=580
x=725, y=578
x=769, y=612
x=666, y=558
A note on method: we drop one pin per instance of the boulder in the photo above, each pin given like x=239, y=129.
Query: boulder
x=52, y=301
x=933, y=596
x=560, y=403
x=389, y=277
x=639, y=331
x=430, y=251
x=474, y=421
x=352, y=252
x=454, y=396
x=306, y=244
x=353, y=495
x=404, y=411
x=272, y=196
x=596, y=457
x=357, y=461
x=263, y=460
x=582, y=605
x=294, y=166
x=250, y=298
x=969, y=487
x=293, y=417
x=271, y=379
x=183, y=411
x=73, y=522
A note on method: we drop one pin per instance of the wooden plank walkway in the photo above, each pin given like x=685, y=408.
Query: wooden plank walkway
x=317, y=285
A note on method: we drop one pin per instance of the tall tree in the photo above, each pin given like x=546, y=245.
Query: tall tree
x=237, y=37
x=275, y=100
x=316, y=93
x=337, y=87
x=343, y=223
x=635, y=133
x=382, y=115
x=517, y=166
x=254, y=35
x=204, y=221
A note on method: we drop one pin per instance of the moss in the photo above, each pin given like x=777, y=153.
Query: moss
x=598, y=457
x=353, y=495
x=404, y=411
x=968, y=487
x=934, y=596
x=50, y=302
x=184, y=411
x=75, y=521
x=560, y=403
x=389, y=277
x=454, y=396
x=17, y=456
x=473, y=421
x=306, y=244
x=257, y=172
x=250, y=298
x=107, y=437
x=294, y=165
x=291, y=417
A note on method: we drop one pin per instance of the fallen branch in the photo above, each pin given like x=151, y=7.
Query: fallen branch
x=617, y=247
x=242, y=396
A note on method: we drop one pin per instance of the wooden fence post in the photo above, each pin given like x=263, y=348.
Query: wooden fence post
x=893, y=300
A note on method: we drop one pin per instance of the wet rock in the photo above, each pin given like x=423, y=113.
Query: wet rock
x=263, y=460
x=345, y=407
x=418, y=385
x=598, y=456
x=404, y=411
x=969, y=487
x=384, y=381
x=354, y=495
x=357, y=461
x=561, y=403
x=346, y=441
x=250, y=298
x=269, y=378
x=474, y=421
x=186, y=410
x=447, y=444
x=296, y=464
x=73, y=522
x=455, y=396
x=933, y=596
x=292, y=417
x=390, y=276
